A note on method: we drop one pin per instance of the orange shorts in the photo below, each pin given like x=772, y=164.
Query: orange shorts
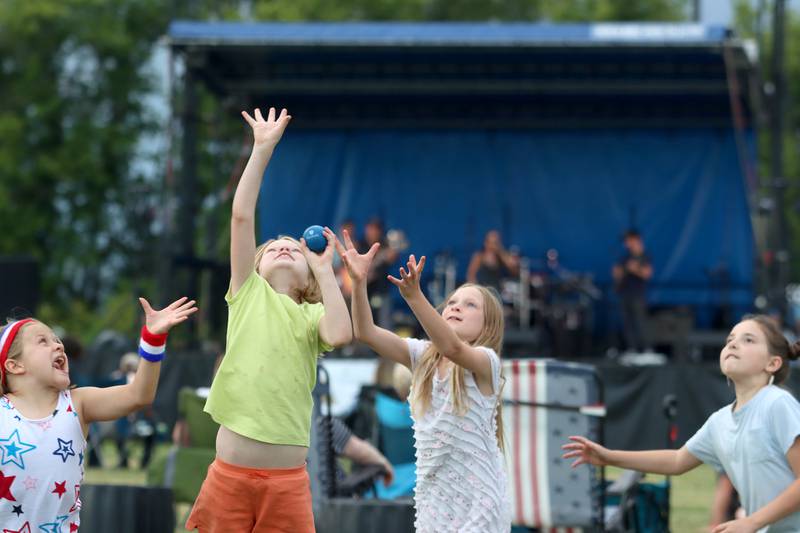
x=240, y=499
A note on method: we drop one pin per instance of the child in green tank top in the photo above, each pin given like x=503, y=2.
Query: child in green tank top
x=285, y=309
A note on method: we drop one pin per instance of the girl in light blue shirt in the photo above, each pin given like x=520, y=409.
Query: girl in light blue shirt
x=753, y=440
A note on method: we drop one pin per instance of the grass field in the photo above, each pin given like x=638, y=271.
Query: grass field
x=691, y=498
x=691, y=493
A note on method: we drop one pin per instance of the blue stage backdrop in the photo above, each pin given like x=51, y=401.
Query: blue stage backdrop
x=561, y=136
x=573, y=190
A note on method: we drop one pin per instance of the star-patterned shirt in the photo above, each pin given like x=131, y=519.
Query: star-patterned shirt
x=41, y=469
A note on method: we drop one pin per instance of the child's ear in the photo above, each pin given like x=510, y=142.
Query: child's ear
x=14, y=367
x=774, y=364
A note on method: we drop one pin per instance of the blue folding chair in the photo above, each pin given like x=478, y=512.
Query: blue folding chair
x=396, y=442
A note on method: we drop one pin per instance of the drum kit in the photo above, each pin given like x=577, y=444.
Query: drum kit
x=549, y=309
x=556, y=303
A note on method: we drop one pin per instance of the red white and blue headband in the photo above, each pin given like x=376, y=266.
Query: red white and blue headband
x=6, y=340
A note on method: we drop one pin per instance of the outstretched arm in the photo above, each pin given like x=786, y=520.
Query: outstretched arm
x=335, y=327
x=266, y=134
x=383, y=341
x=97, y=404
x=441, y=335
x=667, y=462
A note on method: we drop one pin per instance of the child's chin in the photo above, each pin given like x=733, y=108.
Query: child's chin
x=293, y=268
x=731, y=374
x=465, y=337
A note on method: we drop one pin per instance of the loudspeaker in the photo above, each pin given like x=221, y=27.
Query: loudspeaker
x=19, y=286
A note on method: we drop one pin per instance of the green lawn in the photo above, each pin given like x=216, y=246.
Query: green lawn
x=691, y=493
x=691, y=498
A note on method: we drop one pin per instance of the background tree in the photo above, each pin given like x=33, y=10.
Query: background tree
x=71, y=119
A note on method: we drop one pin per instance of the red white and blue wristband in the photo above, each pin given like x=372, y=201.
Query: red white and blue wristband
x=152, y=346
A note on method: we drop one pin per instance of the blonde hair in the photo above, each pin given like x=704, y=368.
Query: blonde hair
x=14, y=351
x=490, y=336
x=311, y=293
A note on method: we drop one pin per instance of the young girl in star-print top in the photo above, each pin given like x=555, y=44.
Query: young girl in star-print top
x=43, y=424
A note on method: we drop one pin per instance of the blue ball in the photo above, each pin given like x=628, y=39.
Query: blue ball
x=315, y=240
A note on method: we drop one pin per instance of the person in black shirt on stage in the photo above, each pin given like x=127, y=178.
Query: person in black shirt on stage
x=631, y=274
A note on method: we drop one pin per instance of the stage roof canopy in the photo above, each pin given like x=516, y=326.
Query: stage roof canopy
x=492, y=74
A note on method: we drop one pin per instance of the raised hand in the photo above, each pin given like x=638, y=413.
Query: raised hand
x=318, y=261
x=267, y=133
x=160, y=322
x=586, y=451
x=357, y=264
x=409, y=279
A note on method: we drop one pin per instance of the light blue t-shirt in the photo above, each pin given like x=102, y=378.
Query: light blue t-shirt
x=750, y=446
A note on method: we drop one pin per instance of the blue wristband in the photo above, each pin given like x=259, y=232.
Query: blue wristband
x=153, y=357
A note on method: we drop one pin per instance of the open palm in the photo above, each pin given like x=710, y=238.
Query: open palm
x=409, y=282
x=160, y=322
x=357, y=264
x=585, y=452
x=267, y=133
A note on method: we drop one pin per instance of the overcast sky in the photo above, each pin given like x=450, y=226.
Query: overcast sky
x=716, y=12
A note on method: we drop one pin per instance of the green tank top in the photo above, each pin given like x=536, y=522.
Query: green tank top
x=262, y=389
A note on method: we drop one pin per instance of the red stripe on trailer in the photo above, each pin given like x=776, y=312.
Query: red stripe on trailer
x=517, y=457
x=535, y=481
